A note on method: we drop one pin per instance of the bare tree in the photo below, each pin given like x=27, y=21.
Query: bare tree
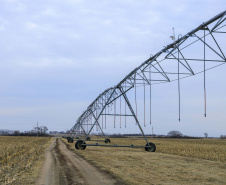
x=175, y=134
x=44, y=129
x=206, y=135
x=37, y=129
x=223, y=136
x=16, y=132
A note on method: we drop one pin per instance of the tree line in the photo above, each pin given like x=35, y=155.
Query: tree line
x=36, y=131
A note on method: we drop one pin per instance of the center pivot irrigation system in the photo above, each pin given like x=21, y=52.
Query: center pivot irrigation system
x=198, y=51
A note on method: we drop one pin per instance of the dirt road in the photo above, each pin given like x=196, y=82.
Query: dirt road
x=62, y=167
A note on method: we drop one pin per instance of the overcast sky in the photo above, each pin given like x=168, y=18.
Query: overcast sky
x=57, y=56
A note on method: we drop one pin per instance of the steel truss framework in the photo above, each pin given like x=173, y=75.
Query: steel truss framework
x=197, y=51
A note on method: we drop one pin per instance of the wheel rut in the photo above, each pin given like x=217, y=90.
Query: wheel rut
x=63, y=166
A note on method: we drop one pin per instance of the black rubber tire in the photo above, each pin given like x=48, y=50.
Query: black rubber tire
x=77, y=137
x=88, y=138
x=70, y=140
x=79, y=146
x=107, y=140
x=152, y=149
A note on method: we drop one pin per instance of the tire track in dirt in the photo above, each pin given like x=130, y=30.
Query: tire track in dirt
x=50, y=172
x=71, y=173
x=62, y=166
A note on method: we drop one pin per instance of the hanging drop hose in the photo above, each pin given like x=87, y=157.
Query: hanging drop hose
x=125, y=106
x=114, y=112
x=105, y=112
x=204, y=74
x=102, y=121
x=135, y=94
x=102, y=114
x=91, y=120
x=205, y=100
x=150, y=92
x=144, y=105
x=120, y=113
x=179, y=90
x=96, y=122
x=87, y=126
x=179, y=78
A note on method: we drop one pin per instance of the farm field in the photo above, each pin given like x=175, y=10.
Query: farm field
x=21, y=158
x=176, y=161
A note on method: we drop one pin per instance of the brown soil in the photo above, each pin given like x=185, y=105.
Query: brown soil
x=62, y=167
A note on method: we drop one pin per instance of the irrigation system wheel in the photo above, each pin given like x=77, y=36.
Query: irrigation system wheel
x=88, y=138
x=79, y=146
x=152, y=147
x=107, y=140
x=70, y=140
x=77, y=137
